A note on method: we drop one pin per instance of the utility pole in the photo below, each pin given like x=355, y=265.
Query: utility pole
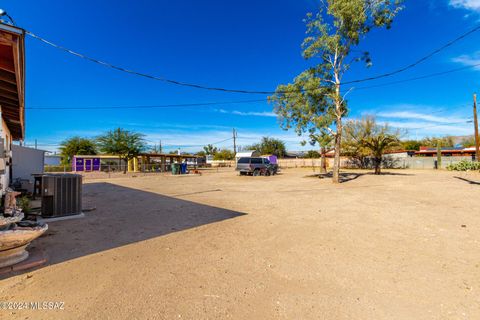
x=475, y=121
x=160, y=146
x=234, y=141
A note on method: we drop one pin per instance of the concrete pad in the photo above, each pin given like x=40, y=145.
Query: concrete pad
x=49, y=220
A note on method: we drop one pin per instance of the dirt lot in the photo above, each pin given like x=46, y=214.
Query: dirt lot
x=399, y=246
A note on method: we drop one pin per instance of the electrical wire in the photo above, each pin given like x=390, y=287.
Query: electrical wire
x=145, y=75
x=419, y=61
x=170, y=146
x=431, y=75
x=197, y=86
x=439, y=125
x=181, y=105
x=166, y=146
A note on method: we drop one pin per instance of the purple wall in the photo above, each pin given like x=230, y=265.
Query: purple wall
x=89, y=164
x=272, y=158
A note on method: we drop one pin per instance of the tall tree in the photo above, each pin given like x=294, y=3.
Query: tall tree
x=373, y=139
x=325, y=141
x=76, y=145
x=224, y=154
x=270, y=146
x=314, y=103
x=123, y=143
x=433, y=142
x=312, y=154
x=352, y=146
x=210, y=149
x=412, y=145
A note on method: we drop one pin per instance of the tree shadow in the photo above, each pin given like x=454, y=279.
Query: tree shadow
x=344, y=176
x=467, y=180
x=387, y=173
x=349, y=176
x=122, y=216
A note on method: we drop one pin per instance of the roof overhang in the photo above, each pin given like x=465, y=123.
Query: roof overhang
x=12, y=79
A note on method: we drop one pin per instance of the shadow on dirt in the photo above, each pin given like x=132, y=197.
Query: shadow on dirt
x=349, y=176
x=123, y=216
x=468, y=181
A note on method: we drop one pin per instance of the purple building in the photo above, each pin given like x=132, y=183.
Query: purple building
x=85, y=163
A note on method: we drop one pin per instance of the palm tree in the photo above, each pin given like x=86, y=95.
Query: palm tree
x=373, y=139
x=126, y=144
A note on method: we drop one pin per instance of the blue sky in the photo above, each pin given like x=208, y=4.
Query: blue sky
x=248, y=44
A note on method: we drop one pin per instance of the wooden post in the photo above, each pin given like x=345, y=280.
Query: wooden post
x=439, y=156
x=234, y=142
x=130, y=165
x=135, y=164
x=475, y=120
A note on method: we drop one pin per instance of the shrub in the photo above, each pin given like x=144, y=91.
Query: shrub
x=24, y=204
x=464, y=165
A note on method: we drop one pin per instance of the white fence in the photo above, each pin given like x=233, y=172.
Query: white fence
x=388, y=162
x=427, y=162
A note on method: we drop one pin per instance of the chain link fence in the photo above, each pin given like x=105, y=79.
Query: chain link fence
x=112, y=168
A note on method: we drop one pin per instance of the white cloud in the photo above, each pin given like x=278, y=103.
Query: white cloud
x=193, y=141
x=418, y=116
x=422, y=120
x=419, y=129
x=249, y=113
x=466, y=4
x=469, y=60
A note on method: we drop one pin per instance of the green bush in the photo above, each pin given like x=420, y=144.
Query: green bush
x=60, y=168
x=24, y=204
x=464, y=165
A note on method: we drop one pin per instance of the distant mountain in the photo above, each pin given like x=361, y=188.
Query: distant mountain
x=459, y=139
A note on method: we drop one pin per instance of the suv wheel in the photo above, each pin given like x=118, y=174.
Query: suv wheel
x=256, y=172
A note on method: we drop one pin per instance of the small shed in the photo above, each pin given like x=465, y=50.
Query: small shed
x=25, y=162
x=89, y=163
x=247, y=154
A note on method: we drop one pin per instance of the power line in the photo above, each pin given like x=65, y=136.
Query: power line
x=145, y=75
x=431, y=75
x=439, y=125
x=197, y=86
x=419, y=61
x=169, y=146
x=166, y=146
x=167, y=106
x=182, y=105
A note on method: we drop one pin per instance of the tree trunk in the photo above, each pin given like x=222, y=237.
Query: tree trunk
x=378, y=165
x=336, y=160
x=323, y=162
x=338, y=135
x=439, y=156
x=126, y=166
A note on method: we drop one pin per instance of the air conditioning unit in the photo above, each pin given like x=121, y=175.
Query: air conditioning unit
x=61, y=194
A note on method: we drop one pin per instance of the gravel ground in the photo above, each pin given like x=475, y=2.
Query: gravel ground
x=404, y=245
